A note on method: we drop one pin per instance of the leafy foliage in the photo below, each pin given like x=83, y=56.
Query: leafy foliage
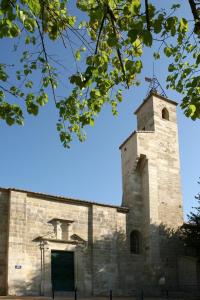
x=190, y=232
x=111, y=43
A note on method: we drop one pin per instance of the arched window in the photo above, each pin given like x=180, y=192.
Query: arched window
x=165, y=114
x=135, y=242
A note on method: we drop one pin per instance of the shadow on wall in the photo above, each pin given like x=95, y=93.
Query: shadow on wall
x=110, y=263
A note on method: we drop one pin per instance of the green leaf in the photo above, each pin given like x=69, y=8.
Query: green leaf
x=157, y=24
x=65, y=138
x=2, y=95
x=147, y=38
x=13, y=89
x=10, y=121
x=198, y=59
x=29, y=24
x=168, y=51
x=27, y=39
x=22, y=15
x=156, y=55
x=112, y=40
x=171, y=68
x=29, y=84
x=129, y=64
x=32, y=108
x=190, y=110
x=14, y=31
x=138, y=66
x=119, y=95
x=59, y=126
x=174, y=6
x=3, y=75
x=91, y=122
x=171, y=25
x=78, y=55
x=42, y=99
x=82, y=24
x=134, y=7
x=71, y=20
x=137, y=47
x=183, y=25
x=132, y=34
x=34, y=6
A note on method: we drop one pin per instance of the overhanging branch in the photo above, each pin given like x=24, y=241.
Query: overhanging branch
x=113, y=19
x=147, y=15
x=195, y=15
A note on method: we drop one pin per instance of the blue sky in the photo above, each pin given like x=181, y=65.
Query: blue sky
x=33, y=158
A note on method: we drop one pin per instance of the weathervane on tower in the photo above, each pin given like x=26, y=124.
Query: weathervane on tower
x=154, y=85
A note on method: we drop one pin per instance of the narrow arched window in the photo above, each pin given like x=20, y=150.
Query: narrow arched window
x=165, y=114
x=135, y=242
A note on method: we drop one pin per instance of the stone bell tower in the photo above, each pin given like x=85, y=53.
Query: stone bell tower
x=151, y=179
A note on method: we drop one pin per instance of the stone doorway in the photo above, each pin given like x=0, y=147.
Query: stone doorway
x=62, y=270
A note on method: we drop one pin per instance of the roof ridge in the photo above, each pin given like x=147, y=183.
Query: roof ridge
x=67, y=199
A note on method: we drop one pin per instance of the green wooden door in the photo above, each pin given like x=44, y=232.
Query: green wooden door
x=62, y=270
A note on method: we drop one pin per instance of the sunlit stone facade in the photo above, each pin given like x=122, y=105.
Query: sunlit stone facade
x=49, y=242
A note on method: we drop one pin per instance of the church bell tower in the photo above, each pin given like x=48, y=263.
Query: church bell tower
x=151, y=178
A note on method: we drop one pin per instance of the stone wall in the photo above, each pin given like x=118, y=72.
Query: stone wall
x=170, y=210
x=109, y=244
x=188, y=271
x=4, y=203
x=145, y=116
x=128, y=158
x=96, y=257
x=152, y=191
x=16, y=243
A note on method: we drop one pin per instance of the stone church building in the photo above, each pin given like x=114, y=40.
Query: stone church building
x=49, y=242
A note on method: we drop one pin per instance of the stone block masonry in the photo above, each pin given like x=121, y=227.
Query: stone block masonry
x=93, y=237
x=4, y=202
x=62, y=243
x=151, y=187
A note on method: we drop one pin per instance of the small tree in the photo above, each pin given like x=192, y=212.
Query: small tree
x=190, y=231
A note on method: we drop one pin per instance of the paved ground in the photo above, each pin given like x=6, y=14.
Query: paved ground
x=99, y=298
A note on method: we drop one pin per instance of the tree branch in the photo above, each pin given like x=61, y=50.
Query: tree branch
x=147, y=15
x=195, y=15
x=113, y=19
x=99, y=34
x=46, y=59
x=7, y=91
x=49, y=70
